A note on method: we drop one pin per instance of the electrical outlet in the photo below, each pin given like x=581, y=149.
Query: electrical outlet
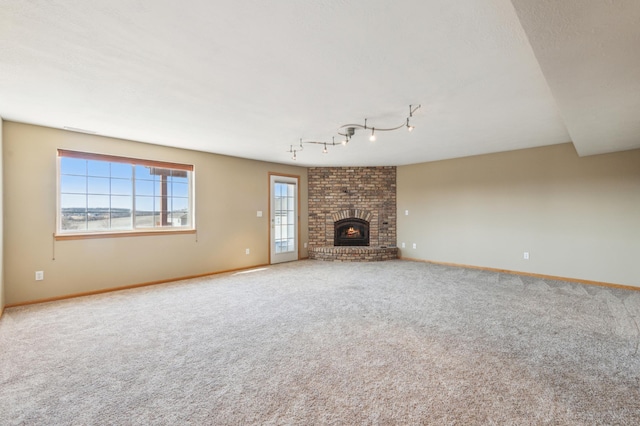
x=406, y=212
x=39, y=275
x=247, y=251
x=403, y=245
x=305, y=245
x=259, y=214
x=525, y=256
x=415, y=245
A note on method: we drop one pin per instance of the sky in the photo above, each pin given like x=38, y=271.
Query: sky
x=101, y=184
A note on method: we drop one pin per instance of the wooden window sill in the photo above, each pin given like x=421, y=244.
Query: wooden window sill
x=90, y=235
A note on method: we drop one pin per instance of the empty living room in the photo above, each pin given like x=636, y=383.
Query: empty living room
x=329, y=212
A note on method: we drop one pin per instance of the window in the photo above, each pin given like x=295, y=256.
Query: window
x=108, y=194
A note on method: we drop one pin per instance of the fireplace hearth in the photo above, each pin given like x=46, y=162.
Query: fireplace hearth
x=351, y=232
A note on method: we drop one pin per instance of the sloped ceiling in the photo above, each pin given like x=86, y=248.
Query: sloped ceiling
x=251, y=78
x=589, y=52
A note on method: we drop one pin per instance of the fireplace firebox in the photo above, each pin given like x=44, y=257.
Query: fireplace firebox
x=351, y=232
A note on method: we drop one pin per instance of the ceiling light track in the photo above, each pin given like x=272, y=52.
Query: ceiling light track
x=347, y=131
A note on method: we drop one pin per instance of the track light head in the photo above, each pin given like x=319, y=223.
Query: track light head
x=409, y=126
x=346, y=132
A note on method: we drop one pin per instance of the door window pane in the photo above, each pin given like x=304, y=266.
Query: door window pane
x=284, y=224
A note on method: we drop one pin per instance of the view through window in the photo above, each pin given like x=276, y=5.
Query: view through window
x=101, y=193
x=285, y=217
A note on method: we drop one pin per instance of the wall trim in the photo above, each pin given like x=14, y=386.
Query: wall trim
x=527, y=274
x=129, y=287
x=188, y=277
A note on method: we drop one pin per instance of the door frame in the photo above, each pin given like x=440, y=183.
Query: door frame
x=290, y=176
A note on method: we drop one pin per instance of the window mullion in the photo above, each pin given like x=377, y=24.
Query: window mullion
x=134, y=215
x=110, y=199
x=86, y=204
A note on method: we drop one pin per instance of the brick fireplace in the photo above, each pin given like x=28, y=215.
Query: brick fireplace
x=364, y=198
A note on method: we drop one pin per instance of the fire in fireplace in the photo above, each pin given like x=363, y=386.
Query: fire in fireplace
x=351, y=232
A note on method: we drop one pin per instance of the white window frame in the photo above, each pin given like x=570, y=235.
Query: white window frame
x=163, y=228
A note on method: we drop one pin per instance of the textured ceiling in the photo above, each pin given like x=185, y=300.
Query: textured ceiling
x=250, y=78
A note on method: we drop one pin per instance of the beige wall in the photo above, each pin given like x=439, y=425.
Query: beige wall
x=229, y=192
x=577, y=217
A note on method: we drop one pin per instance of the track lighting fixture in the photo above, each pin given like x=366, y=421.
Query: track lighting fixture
x=347, y=131
x=409, y=126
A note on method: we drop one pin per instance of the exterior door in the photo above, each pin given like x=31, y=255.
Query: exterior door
x=283, y=218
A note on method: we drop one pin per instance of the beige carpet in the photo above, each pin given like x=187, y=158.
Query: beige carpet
x=328, y=343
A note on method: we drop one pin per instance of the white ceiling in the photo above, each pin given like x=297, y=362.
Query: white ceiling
x=250, y=78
